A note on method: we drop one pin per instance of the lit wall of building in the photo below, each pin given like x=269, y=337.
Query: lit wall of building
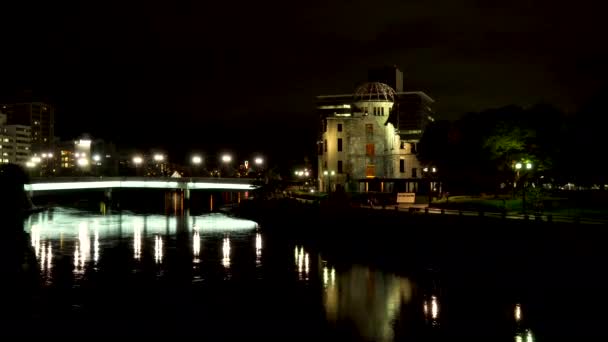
x=15, y=142
x=39, y=116
x=361, y=137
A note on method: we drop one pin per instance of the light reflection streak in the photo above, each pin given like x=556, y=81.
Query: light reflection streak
x=138, y=226
x=82, y=250
x=434, y=308
x=158, y=249
x=196, y=246
x=527, y=335
x=369, y=300
x=302, y=262
x=258, y=248
x=96, y=245
x=226, y=253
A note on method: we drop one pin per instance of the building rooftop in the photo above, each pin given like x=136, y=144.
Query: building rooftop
x=375, y=91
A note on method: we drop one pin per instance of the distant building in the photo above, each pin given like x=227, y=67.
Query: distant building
x=371, y=134
x=15, y=143
x=39, y=116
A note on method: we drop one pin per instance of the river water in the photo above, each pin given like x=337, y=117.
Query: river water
x=217, y=276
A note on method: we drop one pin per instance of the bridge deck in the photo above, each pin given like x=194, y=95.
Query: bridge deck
x=46, y=184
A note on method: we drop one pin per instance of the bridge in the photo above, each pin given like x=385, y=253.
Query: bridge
x=190, y=183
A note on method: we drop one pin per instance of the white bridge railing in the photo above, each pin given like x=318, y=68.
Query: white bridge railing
x=141, y=183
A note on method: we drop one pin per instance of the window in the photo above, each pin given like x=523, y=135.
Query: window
x=402, y=165
x=370, y=150
x=382, y=110
x=370, y=171
x=325, y=146
x=339, y=144
x=339, y=127
x=339, y=166
x=369, y=131
x=414, y=171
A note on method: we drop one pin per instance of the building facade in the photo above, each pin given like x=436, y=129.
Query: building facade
x=371, y=134
x=39, y=116
x=15, y=142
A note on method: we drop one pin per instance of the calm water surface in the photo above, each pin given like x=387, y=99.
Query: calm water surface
x=213, y=275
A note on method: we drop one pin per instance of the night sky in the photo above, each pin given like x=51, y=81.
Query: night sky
x=243, y=75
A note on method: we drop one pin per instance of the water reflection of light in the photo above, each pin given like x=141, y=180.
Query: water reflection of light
x=329, y=277
x=82, y=251
x=96, y=245
x=258, y=248
x=302, y=262
x=226, y=253
x=434, y=307
x=517, y=313
x=371, y=300
x=49, y=258
x=221, y=222
x=519, y=337
x=158, y=249
x=138, y=226
x=196, y=246
x=529, y=337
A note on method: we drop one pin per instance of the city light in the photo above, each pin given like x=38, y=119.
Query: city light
x=159, y=157
x=518, y=166
x=82, y=162
x=30, y=164
x=226, y=158
x=528, y=166
x=137, y=160
x=36, y=159
x=259, y=161
x=96, y=157
x=197, y=160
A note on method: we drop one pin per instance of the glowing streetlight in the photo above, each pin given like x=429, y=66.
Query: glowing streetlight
x=82, y=162
x=36, y=159
x=159, y=157
x=259, y=161
x=137, y=160
x=226, y=158
x=30, y=164
x=96, y=157
x=196, y=160
x=518, y=166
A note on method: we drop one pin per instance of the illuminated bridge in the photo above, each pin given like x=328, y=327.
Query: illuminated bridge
x=190, y=183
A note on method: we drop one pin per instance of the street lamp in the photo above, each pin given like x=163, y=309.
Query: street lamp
x=518, y=167
x=159, y=157
x=96, y=158
x=226, y=159
x=137, y=160
x=259, y=161
x=197, y=160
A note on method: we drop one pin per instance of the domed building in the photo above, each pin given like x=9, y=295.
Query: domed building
x=368, y=138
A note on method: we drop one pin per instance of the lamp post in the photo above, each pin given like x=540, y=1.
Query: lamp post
x=518, y=167
x=196, y=161
x=329, y=174
x=226, y=159
x=137, y=160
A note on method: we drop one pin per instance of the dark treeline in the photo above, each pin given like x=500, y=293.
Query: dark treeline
x=478, y=152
